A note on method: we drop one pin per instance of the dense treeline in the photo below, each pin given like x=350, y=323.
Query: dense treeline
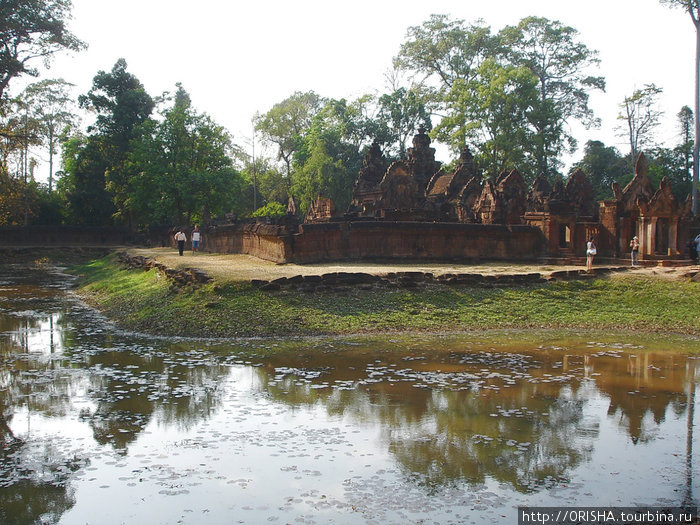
x=148, y=161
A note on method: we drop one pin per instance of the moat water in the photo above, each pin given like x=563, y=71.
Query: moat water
x=98, y=426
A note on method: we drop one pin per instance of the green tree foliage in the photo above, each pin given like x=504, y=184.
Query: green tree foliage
x=329, y=156
x=52, y=106
x=676, y=163
x=12, y=200
x=272, y=209
x=497, y=104
x=273, y=185
x=687, y=136
x=32, y=30
x=20, y=131
x=401, y=113
x=670, y=163
x=445, y=50
x=451, y=54
x=284, y=124
x=121, y=105
x=184, y=166
x=560, y=62
x=603, y=165
x=84, y=185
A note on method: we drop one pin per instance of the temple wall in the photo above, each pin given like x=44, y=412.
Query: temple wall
x=368, y=240
x=268, y=242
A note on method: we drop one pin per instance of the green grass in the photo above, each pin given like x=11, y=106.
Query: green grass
x=145, y=301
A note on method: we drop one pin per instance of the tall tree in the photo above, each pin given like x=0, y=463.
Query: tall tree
x=31, y=30
x=561, y=63
x=329, y=158
x=639, y=115
x=693, y=9
x=445, y=49
x=122, y=105
x=687, y=137
x=286, y=121
x=443, y=52
x=497, y=104
x=52, y=106
x=184, y=168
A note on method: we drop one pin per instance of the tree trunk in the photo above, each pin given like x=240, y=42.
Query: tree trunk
x=696, y=144
x=51, y=152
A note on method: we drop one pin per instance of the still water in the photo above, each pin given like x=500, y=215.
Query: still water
x=99, y=426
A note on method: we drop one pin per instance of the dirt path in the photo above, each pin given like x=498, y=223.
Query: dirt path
x=237, y=267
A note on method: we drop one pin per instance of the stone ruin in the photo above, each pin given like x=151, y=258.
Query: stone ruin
x=418, y=189
x=661, y=222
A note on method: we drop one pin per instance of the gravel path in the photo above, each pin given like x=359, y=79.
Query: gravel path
x=237, y=267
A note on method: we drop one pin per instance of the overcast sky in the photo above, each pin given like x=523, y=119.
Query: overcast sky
x=239, y=58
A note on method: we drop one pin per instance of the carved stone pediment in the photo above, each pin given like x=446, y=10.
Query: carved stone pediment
x=512, y=186
x=466, y=201
x=539, y=193
x=399, y=188
x=321, y=209
x=489, y=206
x=663, y=203
x=372, y=171
x=639, y=189
x=579, y=192
x=439, y=184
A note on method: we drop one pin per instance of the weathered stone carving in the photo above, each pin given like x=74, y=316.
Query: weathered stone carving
x=322, y=209
x=539, y=194
x=366, y=191
x=639, y=188
x=399, y=188
x=421, y=158
x=578, y=192
x=466, y=201
x=291, y=206
x=654, y=216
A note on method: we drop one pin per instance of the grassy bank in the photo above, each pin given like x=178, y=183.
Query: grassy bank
x=145, y=301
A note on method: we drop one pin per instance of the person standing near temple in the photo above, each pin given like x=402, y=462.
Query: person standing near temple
x=195, y=238
x=180, y=238
x=634, y=250
x=591, y=251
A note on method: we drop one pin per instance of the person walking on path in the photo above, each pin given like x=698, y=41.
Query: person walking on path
x=180, y=238
x=195, y=239
x=591, y=252
x=634, y=251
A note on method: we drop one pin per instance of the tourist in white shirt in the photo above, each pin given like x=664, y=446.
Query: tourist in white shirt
x=180, y=238
x=195, y=239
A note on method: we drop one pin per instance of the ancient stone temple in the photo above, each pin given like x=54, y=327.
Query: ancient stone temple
x=566, y=213
x=366, y=193
x=502, y=202
x=414, y=209
x=654, y=215
x=396, y=193
x=445, y=197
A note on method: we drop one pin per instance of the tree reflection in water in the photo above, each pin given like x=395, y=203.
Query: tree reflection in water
x=448, y=410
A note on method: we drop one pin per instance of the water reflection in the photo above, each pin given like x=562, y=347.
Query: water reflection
x=456, y=424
